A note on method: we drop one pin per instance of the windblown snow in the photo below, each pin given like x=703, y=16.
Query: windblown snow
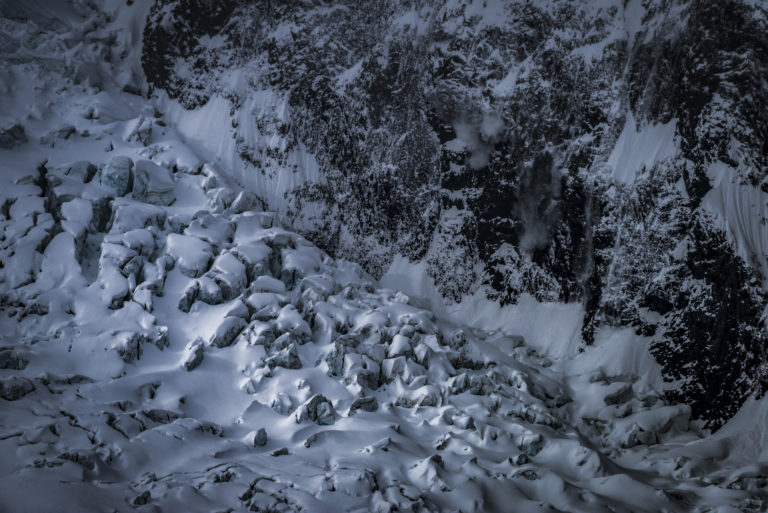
x=168, y=345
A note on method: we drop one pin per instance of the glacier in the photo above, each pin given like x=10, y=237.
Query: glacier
x=174, y=338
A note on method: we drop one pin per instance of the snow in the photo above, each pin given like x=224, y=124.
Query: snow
x=210, y=128
x=633, y=18
x=412, y=20
x=293, y=381
x=489, y=13
x=638, y=149
x=348, y=76
x=741, y=211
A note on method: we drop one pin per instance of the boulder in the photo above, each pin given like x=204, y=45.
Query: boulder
x=188, y=296
x=246, y=201
x=209, y=291
x=129, y=345
x=190, y=253
x=369, y=404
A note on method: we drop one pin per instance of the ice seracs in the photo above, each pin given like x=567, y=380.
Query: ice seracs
x=165, y=344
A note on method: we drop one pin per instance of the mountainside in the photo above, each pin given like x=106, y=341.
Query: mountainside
x=204, y=208
x=607, y=153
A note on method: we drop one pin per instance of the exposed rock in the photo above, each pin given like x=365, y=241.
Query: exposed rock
x=473, y=188
x=161, y=416
x=209, y=291
x=246, y=201
x=335, y=360
x=129, y=345
x=142, y=499
x=283, y=451
x=188, y=296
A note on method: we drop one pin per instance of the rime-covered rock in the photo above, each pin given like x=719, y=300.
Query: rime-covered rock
x=195, y=354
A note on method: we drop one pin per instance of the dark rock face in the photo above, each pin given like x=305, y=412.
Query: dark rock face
x=478, y=142
x=173, y=32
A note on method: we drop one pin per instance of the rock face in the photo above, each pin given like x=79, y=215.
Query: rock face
x=588, y=152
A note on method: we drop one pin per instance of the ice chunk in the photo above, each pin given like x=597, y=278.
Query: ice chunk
x=287, y=358
x=230, y=274
x=152, y=183
x=318, y=410
x=13, y=389
x=117, y=175
x=190, y=253
x=227, y=332
x=12, y=137
x=195, y=354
